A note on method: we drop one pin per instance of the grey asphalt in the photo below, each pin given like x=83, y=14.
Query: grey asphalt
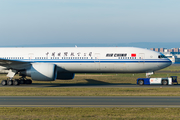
x=131, y=101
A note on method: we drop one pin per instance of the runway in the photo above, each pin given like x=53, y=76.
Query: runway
x=135, y=101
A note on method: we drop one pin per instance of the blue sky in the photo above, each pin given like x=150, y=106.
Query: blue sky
x=88, y=21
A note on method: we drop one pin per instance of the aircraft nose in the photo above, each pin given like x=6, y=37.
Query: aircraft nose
x=165, y=63
x=168, y=63
x=170, y=60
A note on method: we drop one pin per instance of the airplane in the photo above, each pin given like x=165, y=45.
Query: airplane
x=51, y=63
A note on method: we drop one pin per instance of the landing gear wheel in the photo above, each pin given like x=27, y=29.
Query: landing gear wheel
x=4, y=82
x=10, y=82
x=28, y=81
x=16, y=82
x=141, y=82
x=164, y=82
x=22, y=81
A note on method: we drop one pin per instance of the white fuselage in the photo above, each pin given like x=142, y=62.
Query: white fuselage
x=88, y=59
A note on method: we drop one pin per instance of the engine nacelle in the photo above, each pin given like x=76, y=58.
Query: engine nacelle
x=41, y=72
x=65, y=75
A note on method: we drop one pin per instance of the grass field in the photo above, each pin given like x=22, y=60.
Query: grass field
x=172, y=68
x=89, y=113
x=89, y=91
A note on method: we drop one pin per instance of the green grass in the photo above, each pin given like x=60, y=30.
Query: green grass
x=172, y=68
x=90, y=91
x=89, y=113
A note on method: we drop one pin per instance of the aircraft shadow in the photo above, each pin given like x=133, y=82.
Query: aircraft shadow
x=90, y=82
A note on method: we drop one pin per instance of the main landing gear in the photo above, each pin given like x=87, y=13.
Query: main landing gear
x=16, y=82
x=11, y=81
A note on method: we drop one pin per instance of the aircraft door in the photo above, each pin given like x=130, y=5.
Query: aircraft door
x=97, y=57
x=141, y=56
x=31, y=56
x=141, y=61
x=97, y=60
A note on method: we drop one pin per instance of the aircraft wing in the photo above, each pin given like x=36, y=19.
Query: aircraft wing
x=14, y=64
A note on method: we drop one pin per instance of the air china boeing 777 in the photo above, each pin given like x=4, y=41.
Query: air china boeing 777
x=49, y=64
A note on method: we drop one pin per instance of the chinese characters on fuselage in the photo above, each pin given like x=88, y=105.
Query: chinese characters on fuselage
x=65, y=54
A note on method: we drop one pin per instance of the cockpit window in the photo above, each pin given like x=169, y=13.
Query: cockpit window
x=162, y=56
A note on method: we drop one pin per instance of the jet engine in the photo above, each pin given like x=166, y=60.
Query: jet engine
x=41, y=72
